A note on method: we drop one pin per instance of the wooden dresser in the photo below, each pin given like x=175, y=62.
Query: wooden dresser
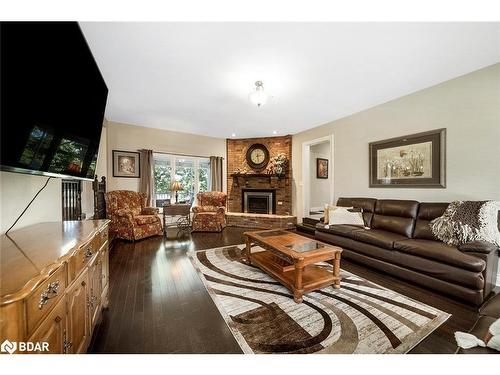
x=54, y=284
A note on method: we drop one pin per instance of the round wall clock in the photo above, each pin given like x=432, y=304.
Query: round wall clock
x=257, y=156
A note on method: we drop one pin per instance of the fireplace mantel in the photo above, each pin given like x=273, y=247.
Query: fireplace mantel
x=253, y=175
x=245, y=178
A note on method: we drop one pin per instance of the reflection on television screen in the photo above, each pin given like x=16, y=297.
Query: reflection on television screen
x=69, y=157
x=34, y=153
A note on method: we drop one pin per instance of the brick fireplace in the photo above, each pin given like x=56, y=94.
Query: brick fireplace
x=280, y=187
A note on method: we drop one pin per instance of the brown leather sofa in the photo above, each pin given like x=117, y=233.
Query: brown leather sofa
x=487, y=315
x=400, y=242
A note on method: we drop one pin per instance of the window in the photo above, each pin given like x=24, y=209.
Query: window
x=163, y=178
x=192, y=172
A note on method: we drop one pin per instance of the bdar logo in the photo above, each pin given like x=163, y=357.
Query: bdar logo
x=8, y=347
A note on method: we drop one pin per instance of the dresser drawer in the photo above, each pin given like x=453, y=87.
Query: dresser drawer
x=103, y=236
x=45, y=297
x=82, y=257
x=96, y=243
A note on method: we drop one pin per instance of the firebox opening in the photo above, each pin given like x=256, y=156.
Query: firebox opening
x=259, y=201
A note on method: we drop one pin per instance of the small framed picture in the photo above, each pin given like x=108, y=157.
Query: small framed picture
x=126, y=164
x=321, y=168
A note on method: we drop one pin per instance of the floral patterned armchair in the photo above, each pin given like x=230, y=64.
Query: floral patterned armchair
x=130, y=220
x=210, y=213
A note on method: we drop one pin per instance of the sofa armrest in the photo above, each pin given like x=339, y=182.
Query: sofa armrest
x=124, y=213
x=482, y=247
x=123, y=216
x=197, y=209
x=150, y=211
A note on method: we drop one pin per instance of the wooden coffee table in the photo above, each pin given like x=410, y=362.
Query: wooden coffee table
x=292, y=260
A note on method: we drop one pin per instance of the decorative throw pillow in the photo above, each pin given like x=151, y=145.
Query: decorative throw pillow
x=491, y=339
x=345, y=215
x=329, y=208
x=466, y=221
x=325, y=214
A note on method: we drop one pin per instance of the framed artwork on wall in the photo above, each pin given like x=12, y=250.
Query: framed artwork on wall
x=126, y=164
x=413, y=161
x=321, y=168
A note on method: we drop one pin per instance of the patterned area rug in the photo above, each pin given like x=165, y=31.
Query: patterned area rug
x=360, y=317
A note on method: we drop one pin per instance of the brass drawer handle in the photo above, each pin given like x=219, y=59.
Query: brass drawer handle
x=91, y=301
x=87, y=255
x=48, y=293
x=67, y=345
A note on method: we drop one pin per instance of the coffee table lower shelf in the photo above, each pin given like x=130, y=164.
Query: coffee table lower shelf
x=298, y=280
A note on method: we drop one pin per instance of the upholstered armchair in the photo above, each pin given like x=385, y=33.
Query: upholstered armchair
x=130, y=219
x=210, y=213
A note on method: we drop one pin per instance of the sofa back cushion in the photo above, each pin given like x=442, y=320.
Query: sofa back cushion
x=212, y=198
x=396, y=216
x=124, y=199
x=366, y=204
x=426, y=213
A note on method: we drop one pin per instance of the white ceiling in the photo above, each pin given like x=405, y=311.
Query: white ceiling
x=196, y=77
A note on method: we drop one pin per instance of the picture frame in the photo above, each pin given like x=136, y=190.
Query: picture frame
x=322, y=168
x=126, y=164
x=410, y=161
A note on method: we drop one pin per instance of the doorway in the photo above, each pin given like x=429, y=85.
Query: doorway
x=317, y=175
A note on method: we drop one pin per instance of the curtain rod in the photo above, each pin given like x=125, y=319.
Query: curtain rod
x=187, y=155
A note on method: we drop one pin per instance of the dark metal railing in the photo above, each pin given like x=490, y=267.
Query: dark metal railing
x=71, y=200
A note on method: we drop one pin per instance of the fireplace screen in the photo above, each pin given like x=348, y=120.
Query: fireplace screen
x=258, y=202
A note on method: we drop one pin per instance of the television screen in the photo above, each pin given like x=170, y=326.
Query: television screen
x=52, y=100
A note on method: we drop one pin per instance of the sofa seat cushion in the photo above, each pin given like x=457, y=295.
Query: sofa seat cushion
x=343, y=230
x=378, y=237
x=492, y=307
x=432, y=268
x=145, y=219
x=440, y=252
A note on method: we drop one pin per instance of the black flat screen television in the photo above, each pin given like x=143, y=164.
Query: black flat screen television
x=53, y=99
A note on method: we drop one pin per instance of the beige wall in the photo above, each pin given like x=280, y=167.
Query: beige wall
x=16, y=192
x=18, y=189
x=320, y=188
x=132, y=138
x=468, y=107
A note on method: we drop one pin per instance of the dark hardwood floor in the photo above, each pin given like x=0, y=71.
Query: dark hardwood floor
x=158, y=304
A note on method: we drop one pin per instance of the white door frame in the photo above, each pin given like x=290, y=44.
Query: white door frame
x=306, y=180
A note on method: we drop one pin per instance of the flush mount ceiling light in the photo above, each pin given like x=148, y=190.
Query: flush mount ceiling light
x=259, y=96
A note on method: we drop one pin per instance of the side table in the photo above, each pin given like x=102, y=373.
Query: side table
x=182, y=210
